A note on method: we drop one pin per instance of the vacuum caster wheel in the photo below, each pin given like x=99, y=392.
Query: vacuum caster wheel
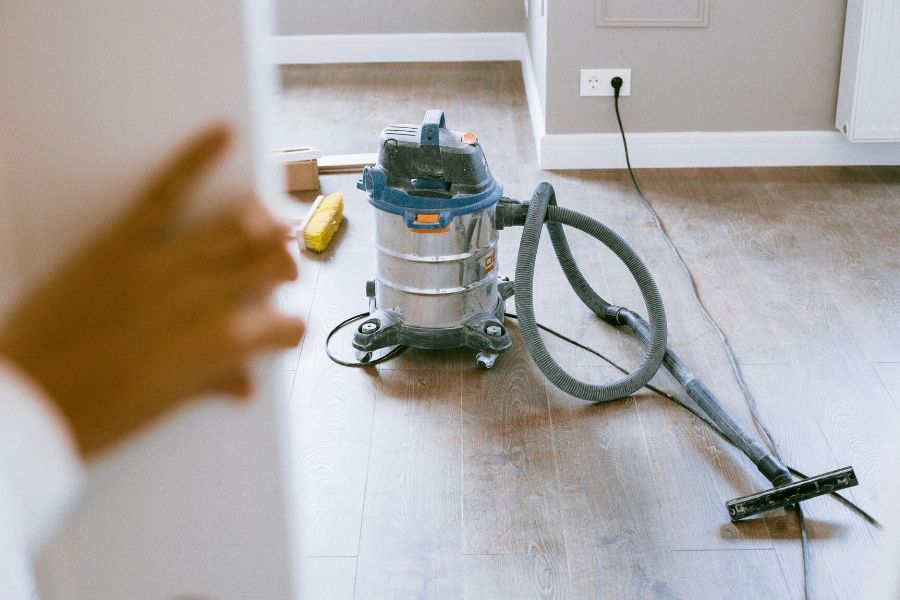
x=485, y=360
x=363, y=356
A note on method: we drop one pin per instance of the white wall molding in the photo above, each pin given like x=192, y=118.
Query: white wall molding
x=665, y=13
x=533, y=97
x=397, y=47
x=712, y=149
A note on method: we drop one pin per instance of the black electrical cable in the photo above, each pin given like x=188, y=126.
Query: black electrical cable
x=843, y=500
x=745, y=390
x=397, y=351
x=594, y=352
x=837, y=496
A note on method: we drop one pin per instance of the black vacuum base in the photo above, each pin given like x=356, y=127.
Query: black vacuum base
x=792, y=493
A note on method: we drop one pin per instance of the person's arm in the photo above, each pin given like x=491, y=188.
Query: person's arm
x=149, y=314
x=155, y=311
x=40, y=477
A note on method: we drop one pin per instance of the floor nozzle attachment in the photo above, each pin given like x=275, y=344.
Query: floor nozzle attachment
x=792, y=493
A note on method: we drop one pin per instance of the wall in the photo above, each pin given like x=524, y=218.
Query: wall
x=758, y=66
x=298, y=17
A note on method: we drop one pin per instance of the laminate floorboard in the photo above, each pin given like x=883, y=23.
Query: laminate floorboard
x=412, y=531
x=889, y=373
x=426, y=478
x=510, y=497
x=329, y=577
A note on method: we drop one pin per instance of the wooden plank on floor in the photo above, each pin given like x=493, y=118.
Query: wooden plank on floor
x=334, y=417
x=330, y=577
x=333, y=408
x=695, y=472
x=412, y=531
x=866, y=253
x=889, y=373
x=824, y=274
x=733, y=574
x=510, y=500
x=502, y=577
x=615, y=536
x=842, y=543
x=296, y=298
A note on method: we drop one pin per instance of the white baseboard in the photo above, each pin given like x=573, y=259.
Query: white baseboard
x=397, y=47
x=588, y=151
x=712, y=149
x=533, y=97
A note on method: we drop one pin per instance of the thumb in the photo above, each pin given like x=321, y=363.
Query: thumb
x=237, y=383
x=172, y=184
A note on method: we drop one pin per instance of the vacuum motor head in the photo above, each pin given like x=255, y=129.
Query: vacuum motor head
x=429, y=169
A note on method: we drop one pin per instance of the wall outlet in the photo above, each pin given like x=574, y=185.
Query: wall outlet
x=595, y=82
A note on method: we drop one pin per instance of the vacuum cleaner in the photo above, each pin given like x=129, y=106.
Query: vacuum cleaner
x=438, y=214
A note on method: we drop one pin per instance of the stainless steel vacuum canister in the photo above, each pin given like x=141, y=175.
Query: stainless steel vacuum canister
x=436, y=283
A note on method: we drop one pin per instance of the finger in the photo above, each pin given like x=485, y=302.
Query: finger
x=172, y=184
x=236, y=382
x=240, y=232
x=259, y=275
x=265, y=330
x=214, y=343
x=227, y=287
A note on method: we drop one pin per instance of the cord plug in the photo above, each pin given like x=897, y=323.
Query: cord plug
x=616, y=82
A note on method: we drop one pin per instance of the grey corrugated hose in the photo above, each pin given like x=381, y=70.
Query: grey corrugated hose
x=543, y=205
x=652, y=334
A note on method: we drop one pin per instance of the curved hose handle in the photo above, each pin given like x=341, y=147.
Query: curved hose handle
x=431, y=128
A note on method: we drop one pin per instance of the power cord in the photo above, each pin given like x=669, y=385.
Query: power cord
x=394, y=353
x=616, y=83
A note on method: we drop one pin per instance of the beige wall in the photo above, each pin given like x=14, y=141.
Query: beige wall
x=758, y=66
x=301, y=17
x=762, y=65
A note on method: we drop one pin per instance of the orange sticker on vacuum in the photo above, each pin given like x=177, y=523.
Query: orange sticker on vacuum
x=489, y=262
x=429, y=219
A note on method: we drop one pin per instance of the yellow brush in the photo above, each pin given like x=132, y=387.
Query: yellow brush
x=322, y=221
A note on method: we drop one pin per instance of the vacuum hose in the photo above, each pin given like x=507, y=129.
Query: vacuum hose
x=543, y=210
x=543, y=206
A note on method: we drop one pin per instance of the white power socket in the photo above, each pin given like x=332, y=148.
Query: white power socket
x=596, y=82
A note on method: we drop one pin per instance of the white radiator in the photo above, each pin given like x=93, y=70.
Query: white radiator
x=868, y=107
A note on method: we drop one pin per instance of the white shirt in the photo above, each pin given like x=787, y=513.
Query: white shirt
x=41, y=476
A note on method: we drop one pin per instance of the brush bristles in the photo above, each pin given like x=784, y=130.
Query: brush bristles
x=324, y=223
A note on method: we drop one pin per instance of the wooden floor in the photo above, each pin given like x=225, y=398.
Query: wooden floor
x=427, y=478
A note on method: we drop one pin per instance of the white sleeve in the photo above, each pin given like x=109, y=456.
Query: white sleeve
x=41, y=476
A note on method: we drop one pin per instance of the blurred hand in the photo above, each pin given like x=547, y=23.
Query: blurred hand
x=152, y=312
